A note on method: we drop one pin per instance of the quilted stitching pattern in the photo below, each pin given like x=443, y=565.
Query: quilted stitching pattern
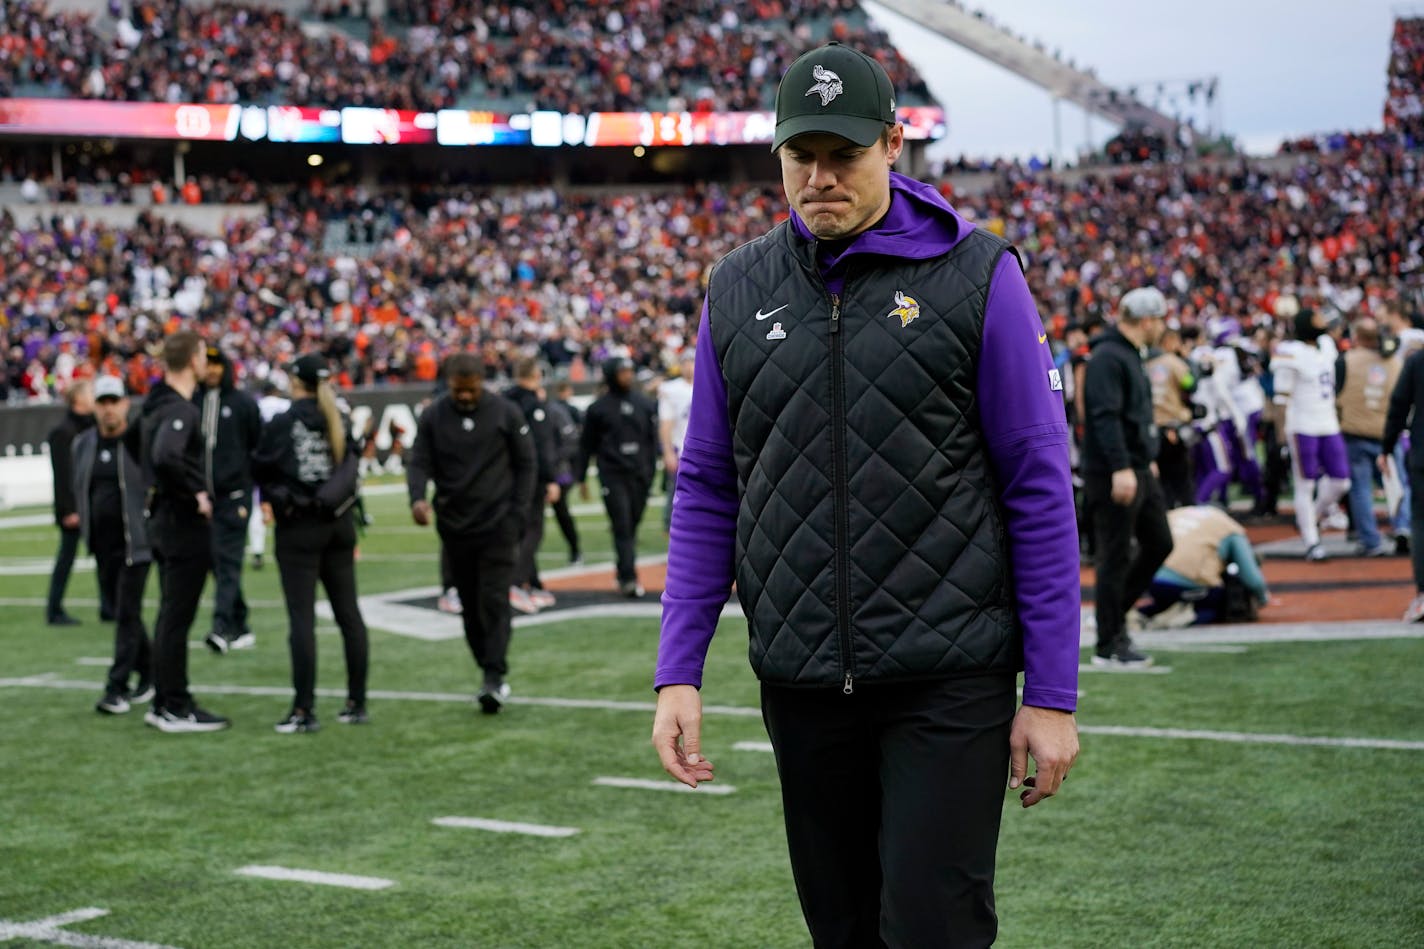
x=928, y=593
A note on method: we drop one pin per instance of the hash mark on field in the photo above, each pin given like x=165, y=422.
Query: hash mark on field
x=47, y=930
x=93, y=661
x=1127, y=670
x=505, y=827
x=752, y=746
x=644, y=784
x=291, y=875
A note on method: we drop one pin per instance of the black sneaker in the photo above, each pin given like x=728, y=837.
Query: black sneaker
x=62, y=619
x=113, y=703
x=180, y=721
x=217, y=642
x=492, y=696
x=297, y=720
x=1401, y=545
x=256, y=561
x=1122, y=656
x=353, y=714
x=632, y=589
x=143, y=692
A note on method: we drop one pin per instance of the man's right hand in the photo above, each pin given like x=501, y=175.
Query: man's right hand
x=420, y=513
x=70, y=521
x=677, y=734
x=1124, y=486
x=670, y=462
x=205, y=504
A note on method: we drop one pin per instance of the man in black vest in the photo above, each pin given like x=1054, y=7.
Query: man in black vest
x=1122, y=497
x=110, y=492
x=877, y=453
x=79, y=416
x=232, y=424
x=475, y=447
x=621, y=431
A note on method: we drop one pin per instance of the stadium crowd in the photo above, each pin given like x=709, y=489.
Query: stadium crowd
x=598, y=56
x=1404, y=105
x=416, y=275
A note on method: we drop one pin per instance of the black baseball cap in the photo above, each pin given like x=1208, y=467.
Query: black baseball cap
x=834, y=89
x=311, y=369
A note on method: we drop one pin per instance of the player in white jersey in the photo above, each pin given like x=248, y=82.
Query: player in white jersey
x=1304, y=371
x=1235, y=377
x=272, y=404
x=1211, y=458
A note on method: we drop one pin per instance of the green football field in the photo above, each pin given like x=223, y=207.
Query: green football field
x=1196, y=816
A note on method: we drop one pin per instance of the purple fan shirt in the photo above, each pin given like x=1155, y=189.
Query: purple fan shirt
x=1025, y=435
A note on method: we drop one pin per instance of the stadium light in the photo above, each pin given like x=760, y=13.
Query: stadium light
x=315, y=160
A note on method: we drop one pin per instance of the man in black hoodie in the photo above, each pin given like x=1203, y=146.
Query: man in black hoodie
x=527, y=595
x=180, y=513
x=476, y=448
x=621, y=431
x=232, y=425
x=80, y=416
x=1121, y=493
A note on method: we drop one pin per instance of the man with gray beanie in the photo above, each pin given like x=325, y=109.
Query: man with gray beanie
x=1122, y=497
x=877, y=454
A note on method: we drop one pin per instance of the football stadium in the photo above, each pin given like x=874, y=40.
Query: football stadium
x=398, y=394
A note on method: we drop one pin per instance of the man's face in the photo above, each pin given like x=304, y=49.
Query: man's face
x=199, y=363
x=212, y=374
x=624, y=379
x=465, y=391
x=112, y=416
x=838, y=188
x=83, y=402
x=1152, y=330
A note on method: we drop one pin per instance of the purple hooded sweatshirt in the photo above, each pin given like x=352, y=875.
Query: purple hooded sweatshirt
x=1025, y=434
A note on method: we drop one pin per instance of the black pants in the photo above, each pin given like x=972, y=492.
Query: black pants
x=625, y=499
x=1416, y=525
x=526, y=569
x=1123, y=577
x=309, y=550
x=122, y=585
x=892, y=799
x=181, y=548
x=1277, y=467
x=567, y=526
x=229, y=541
x=483, y=567
x=59, y=576
x=1174, y=461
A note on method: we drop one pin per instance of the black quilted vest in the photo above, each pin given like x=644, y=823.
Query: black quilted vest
x=870, y=546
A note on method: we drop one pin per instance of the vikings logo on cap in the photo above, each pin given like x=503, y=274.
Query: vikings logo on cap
x=828, y=84
x=905, y=308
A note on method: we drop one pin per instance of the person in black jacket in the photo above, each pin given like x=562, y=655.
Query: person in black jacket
x=1121, y=493
x=232, y=424
x=109, y=491
x=307, y=470
x=527, y=594
x=180, y=514
x=621, y=431
x=79, y=401
x=477, y=450
x=1406, y=413
x=567, y=419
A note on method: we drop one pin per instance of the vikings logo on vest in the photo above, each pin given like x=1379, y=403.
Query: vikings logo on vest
x=776, y=332
x=905, y=308
x=828, y=84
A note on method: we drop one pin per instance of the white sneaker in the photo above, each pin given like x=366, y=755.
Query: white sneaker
x=449, y=602
x=542, y=598
x=1335, y=519
x=1415, y=612
x=1317, y=553
x=245, y=641
x=521, y=602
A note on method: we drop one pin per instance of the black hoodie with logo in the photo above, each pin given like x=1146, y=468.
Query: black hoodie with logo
x=621, y=431
x=171, y=449
x=232, y=425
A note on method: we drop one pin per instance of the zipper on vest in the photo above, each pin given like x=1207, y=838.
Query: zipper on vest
x=842, y=502
x=124, y=507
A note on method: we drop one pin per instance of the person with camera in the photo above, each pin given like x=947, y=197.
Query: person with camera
x=307, y=471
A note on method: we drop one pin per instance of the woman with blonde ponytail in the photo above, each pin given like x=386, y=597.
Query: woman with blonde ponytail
x=307, y=472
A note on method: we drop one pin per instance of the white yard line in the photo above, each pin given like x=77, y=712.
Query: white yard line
x=645, y=784
x=1127, y=670
x=93, y=661
x=291, y=875
x=51, y=681
x=752, y=746
x=26, y=520
x=505, y=827
x=48, y=931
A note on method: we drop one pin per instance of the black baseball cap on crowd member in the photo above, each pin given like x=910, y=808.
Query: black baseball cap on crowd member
x=311, y=369
x=834, y=89
x=216, y=355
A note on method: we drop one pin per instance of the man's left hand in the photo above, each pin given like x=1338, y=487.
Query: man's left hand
x=1051, y=737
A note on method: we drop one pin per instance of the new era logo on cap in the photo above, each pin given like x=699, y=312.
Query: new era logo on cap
x=834, y=89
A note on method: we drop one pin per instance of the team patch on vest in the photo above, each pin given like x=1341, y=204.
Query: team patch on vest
x=905, y=308
x=776, y=332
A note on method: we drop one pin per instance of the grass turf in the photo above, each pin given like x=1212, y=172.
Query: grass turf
x=1153, y=842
